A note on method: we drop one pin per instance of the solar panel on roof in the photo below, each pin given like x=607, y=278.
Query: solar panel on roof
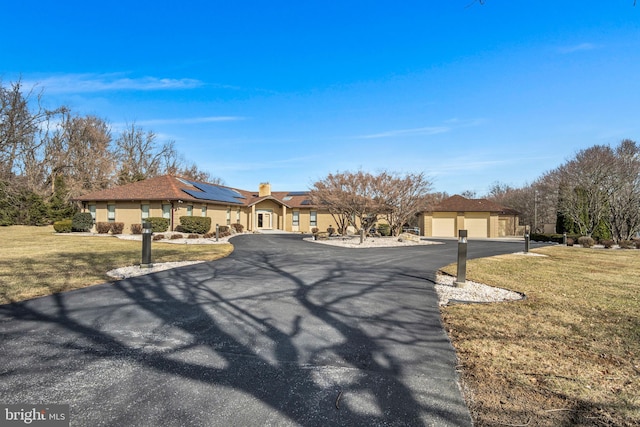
x=306, y=202
x=297, y=193
x=214, y=192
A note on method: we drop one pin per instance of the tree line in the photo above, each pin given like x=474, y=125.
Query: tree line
x=596, y=193
x=50, y=156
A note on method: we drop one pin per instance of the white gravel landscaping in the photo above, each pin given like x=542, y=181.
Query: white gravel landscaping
x=445, y=287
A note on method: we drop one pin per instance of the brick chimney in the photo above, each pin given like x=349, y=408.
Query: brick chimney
x=265, y=189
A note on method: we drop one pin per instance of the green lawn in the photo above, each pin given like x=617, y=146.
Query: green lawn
x=36, y=261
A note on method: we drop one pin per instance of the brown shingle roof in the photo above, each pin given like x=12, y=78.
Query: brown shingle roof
x=168, y=187
x=462, y=204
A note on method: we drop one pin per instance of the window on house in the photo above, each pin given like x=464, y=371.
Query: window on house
x=111, y=213
x=92, y=211
x=296, y=218
x=313, y=215
x=228, y=216
x=238, y=215
x=166, y=211
x=203, y=212
x=144, y=212
x=189, y=210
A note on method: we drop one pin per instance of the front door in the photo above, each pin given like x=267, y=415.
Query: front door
x=264, y=220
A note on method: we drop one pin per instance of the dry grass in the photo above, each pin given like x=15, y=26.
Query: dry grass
x=567, y=355
x=36, y=261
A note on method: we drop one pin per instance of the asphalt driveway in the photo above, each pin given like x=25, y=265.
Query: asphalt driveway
x=282, y=332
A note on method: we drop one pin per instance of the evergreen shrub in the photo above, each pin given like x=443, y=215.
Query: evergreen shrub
x=63, y=226
x=158, y=224
x=82, y=221
x=195, y=224
x=384, y=229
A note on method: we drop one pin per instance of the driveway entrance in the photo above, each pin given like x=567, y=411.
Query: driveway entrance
x=282, y=332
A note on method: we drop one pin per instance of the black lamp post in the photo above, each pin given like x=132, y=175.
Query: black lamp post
x=146, y=245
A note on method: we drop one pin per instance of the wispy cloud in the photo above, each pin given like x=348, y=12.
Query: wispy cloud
x=448, y=126
x=429, y=130
x=86, y=83
x=577, y=48
x=189, y=120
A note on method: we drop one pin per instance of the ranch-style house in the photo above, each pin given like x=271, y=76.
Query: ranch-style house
x=172, y=197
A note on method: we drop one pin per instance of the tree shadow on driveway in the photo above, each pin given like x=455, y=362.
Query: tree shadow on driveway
x=281, y=335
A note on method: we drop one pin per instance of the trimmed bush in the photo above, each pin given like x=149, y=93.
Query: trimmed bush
x=63, y=226
x=103, y=227
x=117, y=227
x=195, y=224
x=315, y=230
x=586, y=242
x=82, y=221
x=556, y=238
x=224, y=229
x=636, y=243
x=193, y=236
x=158, y=224
x=570, y=241
x=158, y=236
x=331, y=231
x=208, y=235
x=176, y=236
x=239, y=228
x=384, y=229
x=625, y=244
x=136, y=228
x=607, y=243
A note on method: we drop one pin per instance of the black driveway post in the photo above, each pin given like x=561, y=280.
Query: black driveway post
x=461, y=278
x=146, y=245
x=526, y=240
x=217, y=232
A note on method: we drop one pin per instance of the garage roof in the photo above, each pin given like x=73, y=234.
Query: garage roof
x=458, y=203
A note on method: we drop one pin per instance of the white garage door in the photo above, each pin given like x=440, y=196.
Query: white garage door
x=444, y=227
x=476, y=227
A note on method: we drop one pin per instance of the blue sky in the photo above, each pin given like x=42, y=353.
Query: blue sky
x=287, y=92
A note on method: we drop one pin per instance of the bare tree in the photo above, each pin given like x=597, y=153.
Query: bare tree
x=351, y=199
x=19, y=128
x=79, y=150
x=402, y=197
x=585, y=188
x=139, y=155
x=625, y=195
x=360, y=198
x=173, y=163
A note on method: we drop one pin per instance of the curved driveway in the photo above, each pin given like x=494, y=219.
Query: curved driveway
x=282, y=332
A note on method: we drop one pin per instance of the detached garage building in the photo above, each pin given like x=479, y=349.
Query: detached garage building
x=480, y=217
